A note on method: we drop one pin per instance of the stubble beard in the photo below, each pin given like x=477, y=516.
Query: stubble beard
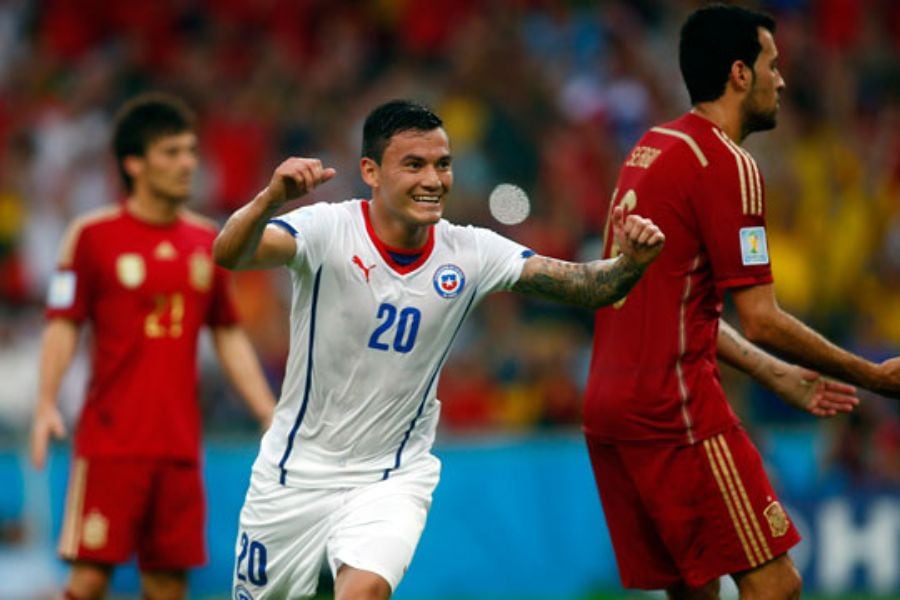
x=755, y=119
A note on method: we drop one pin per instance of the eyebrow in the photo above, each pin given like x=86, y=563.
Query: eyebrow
x=423, y=159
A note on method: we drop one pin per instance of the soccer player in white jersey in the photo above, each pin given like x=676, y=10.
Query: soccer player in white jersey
x=380, y=289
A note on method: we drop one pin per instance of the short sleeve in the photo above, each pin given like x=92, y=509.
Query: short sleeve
x=731, y=210
x=501, y=259
x=71, y=285
x=312, y=227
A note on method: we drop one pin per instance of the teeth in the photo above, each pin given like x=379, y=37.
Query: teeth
x=432, y=199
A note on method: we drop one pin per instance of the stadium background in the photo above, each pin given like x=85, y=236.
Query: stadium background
x=543, y=94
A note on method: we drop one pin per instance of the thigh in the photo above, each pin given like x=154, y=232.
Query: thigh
x=379, y=527
x=280, y=546
x=172, y=533
x=713, y=506
x=641, y=556
x=105, y=503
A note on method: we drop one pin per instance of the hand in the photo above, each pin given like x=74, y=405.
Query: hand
x=817, y=395
x=47, y=422
x=296, y=177
x=636, y=237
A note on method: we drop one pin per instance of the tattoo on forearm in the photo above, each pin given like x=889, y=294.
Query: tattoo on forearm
x=591, y=285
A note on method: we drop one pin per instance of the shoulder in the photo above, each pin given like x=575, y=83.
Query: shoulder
x=197, y=221
x=343, y=209
x=688, y=137
x=82, y=226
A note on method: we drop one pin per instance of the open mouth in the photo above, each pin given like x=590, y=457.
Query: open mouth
x=427, y=199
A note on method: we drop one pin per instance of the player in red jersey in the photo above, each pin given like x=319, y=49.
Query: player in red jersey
x=143, y=276
x=684, y=491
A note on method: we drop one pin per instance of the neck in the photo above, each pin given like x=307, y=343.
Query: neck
x=152, y=208
x=394, y=232
x=723, y=116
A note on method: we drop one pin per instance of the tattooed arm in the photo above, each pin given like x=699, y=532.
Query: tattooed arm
x=590, y=285
x=600, y=282
x=798, y=386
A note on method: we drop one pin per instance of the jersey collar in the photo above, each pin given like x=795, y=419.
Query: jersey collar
x=385, y=251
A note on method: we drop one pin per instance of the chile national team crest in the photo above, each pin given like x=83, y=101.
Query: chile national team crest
x=449, y=281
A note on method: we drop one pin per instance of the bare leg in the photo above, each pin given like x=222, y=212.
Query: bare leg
x=710, y=591
x=88, y=581
x=777, y=579
x=164, y=585
x=356, y=584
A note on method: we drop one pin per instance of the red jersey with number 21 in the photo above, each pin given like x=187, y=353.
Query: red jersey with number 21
x=146, y=290
x=654, y=376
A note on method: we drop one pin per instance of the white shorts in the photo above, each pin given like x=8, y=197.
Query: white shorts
x=286, y=533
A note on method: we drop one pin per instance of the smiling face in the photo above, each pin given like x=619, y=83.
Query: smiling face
x=760, y=106
x=166, y=170
x=410, y=185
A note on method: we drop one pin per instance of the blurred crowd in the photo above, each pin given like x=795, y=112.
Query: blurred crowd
x=546, y=94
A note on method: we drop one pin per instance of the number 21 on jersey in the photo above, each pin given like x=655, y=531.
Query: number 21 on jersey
x=628, y=201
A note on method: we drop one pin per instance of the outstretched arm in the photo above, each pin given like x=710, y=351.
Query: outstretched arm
x=766, y=324
x=242, y=367
x=57, y=349
x=245, y=242
x=799, y=387
x=600, y=282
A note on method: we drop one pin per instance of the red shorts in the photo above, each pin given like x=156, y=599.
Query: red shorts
x=118, y=506
x=689, y=514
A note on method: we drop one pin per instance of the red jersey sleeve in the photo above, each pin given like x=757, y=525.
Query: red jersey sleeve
x=71, y=287
x=730, y=208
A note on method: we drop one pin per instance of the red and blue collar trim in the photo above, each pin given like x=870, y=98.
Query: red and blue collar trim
x=385, y=251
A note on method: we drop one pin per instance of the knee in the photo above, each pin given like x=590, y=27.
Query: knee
x=352, y=584
x=785, y=584
x=86, y=583
x=710, y=591
x=793, y=584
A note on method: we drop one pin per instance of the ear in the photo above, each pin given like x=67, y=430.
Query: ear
x=133, y=165
x=741, y=75
x=370, y=171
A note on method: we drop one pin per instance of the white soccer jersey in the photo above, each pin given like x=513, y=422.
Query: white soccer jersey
x=368, y=340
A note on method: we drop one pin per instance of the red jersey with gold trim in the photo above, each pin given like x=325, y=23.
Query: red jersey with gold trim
x=146, y=290
x=654, y=375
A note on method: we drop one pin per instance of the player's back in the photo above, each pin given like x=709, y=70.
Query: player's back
x=654, y=375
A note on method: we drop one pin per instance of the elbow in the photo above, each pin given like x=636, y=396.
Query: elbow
x=758, y=330
x=221, y=256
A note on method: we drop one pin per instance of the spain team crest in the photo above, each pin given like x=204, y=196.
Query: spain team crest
x=130, y=270
x=449, y=281
x=201, y=269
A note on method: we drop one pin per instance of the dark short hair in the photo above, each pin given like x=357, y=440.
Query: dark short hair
x=144, y=119
x=390, y=119
x=712, y=38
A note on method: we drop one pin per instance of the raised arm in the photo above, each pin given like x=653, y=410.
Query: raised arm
x=57, y=349
x=766, y=324
x=245, y=242
x=600, y=282
x=799, y=387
